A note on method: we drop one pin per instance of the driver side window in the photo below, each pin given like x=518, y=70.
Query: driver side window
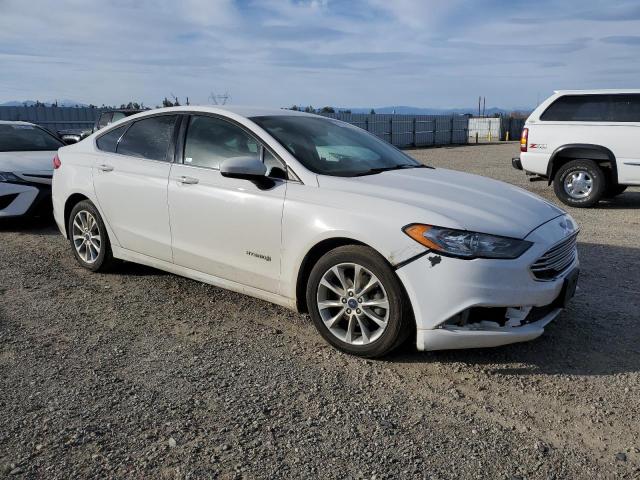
x=210, y=141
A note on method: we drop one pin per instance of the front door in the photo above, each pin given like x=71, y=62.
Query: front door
x=226, y=227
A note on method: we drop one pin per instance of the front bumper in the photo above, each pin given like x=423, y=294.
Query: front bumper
x=440, y=289
x=20, y=199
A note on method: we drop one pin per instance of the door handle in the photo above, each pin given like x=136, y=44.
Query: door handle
x=187, y=180
x=105, y=168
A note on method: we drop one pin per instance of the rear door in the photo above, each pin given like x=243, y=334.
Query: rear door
x=130, y=180
x=226, y=227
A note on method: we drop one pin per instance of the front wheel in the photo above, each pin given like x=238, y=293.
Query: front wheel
x=88, y=237
x=580, y=183
x=357, y=303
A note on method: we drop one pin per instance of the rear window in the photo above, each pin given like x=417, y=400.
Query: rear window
x=594, y=108
x=109, y=141
x=26, y=138
x=149, y=138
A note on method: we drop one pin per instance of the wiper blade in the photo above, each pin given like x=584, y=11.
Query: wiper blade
x=373, y=171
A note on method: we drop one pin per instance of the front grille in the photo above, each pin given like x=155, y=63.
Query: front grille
x=556, y=260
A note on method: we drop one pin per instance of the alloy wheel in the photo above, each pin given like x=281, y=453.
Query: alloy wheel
x=578, y=184
x=86, y=236
x=353, y=304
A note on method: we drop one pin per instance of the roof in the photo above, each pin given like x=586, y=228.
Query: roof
x=15, y=122
x=243, y=111
x=602, y=90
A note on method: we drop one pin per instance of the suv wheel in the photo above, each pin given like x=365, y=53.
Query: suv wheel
x=88, y=237
x=580, y=183
x=357, y=302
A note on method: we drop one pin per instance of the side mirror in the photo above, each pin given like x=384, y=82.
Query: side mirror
x=70, y=139
x=247, y=168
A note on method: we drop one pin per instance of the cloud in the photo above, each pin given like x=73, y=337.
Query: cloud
x=623, y=40
x=324, y=52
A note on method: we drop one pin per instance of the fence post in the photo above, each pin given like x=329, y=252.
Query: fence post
x=391, y=130
x=366, y=124
x=451, y=136
x=415, y=140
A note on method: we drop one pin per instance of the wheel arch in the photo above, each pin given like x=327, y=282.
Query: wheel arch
x=574, y=151
x=316, y=252
x=311, y=258
x=71, y=201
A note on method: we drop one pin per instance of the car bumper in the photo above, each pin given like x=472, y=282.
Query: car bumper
x=19, y=199
x=441, y=289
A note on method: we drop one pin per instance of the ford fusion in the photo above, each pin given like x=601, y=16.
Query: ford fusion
x=321, y=217
x=26, y=151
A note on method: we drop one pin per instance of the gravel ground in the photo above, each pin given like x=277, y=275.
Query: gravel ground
x=144, y=374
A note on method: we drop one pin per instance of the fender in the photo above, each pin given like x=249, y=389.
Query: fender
x=583, y=150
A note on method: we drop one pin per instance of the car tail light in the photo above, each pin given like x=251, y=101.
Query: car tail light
x=524, y=139
x=56, y=162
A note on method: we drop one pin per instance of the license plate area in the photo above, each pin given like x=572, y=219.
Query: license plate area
x=569, y=288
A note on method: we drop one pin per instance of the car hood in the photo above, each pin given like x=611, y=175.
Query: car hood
x=27, y=162
x=472, y=202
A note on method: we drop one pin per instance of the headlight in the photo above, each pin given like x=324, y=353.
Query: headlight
x=468, y=245
x=9, y=177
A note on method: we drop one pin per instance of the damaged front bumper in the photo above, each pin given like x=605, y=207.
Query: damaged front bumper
x=485, y=302
x=483, y=334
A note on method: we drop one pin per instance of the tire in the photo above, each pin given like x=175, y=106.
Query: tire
x=589, y=190
x=94, y=254
x=613, y=190
x=354, y=318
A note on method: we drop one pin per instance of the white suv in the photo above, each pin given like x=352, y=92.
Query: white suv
x=585, y=142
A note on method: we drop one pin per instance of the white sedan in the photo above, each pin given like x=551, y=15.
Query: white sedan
x=26, y=152
x=322, y=217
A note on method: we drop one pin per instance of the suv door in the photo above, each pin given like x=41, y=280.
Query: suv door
x=222, y=226
x=130, y=177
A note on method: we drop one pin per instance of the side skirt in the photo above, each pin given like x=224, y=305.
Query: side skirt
x=128, y=255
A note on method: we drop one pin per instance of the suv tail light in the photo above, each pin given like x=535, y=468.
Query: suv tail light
x=524, y=139
x=56, y=162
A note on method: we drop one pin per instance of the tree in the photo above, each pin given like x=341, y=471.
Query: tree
x=295, y=108
x=309, y=109
x=327, y=110
x=372, y=112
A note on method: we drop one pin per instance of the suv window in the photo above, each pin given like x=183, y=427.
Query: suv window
x=210, y=141
x=109, y=141
x=149, y=138
x=594, y=108
x=625, y=108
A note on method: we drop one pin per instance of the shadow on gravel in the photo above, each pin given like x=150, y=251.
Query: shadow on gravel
x=41, y=225
x=597, y=334
x=626, y=201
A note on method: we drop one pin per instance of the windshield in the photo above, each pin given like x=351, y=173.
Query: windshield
x=26, y=138
x=330, y=147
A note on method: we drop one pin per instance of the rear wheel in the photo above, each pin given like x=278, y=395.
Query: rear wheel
x=580, y=183
x=357, y=302
x=88, y=237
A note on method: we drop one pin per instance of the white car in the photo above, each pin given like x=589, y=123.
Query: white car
x=26, y=169
x=585, y=142
x=322, y=217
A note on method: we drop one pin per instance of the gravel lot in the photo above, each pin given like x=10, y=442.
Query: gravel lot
x=145, y=374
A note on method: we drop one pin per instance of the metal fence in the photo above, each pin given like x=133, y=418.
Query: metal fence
x=410, y=130
x=53, y=118
x=400, y=130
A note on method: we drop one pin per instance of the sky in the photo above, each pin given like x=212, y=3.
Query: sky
x=346, y=53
